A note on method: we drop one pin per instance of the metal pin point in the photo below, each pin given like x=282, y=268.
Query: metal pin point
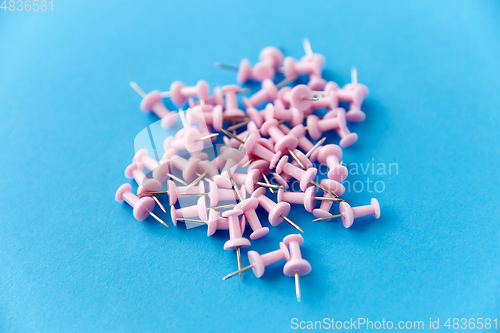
x=137, y=89
x=194, y=182
x=207, y=137
x=159, y=204
x=219, y=65
x=270, y=186
x=238, y=125
x=157, y=218
x=328, y=217
x=306, y=44
x=296, y=158
x=316, y=146
x=232, y=136
x=238, y=256
x=323, y=188
x=239, y=271
x=266, y=180
x=297, y=286
x=329, y=199
x=293, y=224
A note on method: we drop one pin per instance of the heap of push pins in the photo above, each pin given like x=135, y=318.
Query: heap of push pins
x=272, y=133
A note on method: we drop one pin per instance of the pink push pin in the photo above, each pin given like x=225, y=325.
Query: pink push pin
x=299, y=132
x=268, y=92
x=316, y=82
x=236, y=240
x=259, y=262
x=303, y=176
x=252, y=147
x=248, y=206
x=260, y=72
x=278, y=111
x=174, y=192
x=152, y=102
x=271, y=56
x=316, y=126
x=240, y=138
x=284, y=143
x=192, y=140
x=263, y=167
x=189, y=168
x=307, y=198
x=232, y=110
x=161, y=170
x=300, y=97
x=292, y=68
x=331, y=155
x=142, y=207
x=346, y=137
x=277, y=211
x=355, y=114
x=198, y=210
x=216, y=99
x=205, y=115
x=296, y=265
x=134, y=170
x=327, y=200
x=348, y=213
x=217, y=194
x=328, y=101
x=179, y=93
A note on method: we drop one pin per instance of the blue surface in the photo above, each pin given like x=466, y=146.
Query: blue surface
x=72, y=259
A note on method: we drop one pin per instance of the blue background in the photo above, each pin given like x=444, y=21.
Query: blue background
x=72, y=259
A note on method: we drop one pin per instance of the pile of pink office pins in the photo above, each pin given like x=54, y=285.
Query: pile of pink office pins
x=274, y=134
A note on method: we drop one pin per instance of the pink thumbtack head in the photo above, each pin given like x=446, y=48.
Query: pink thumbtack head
x=152, y=102
x=236, y=240
x=346, y=137
x=271, y=56
x=179, y=93
x=303, y=176
x=316, y=127
x=252, y=147
x=260, y=72
x=248, y=206
x=259, y=262
x=307, y=198
x=348, y=213
x=134, y=170
x=331, y=155
x=296, y=265
x=198, y=210
x=328, y=198
x=143, y=207
x=268, y=92
x=301, y=97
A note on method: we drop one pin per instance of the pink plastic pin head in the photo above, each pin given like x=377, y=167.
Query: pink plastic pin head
x=259, y=262
x=331, y=156
x=350, y=213
x=142, y=207
x=152, y=102
x=271, y=56
x=235, y=234
x=179, y=92
x=296, y=264
x=134, y=170
x=248, y=206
